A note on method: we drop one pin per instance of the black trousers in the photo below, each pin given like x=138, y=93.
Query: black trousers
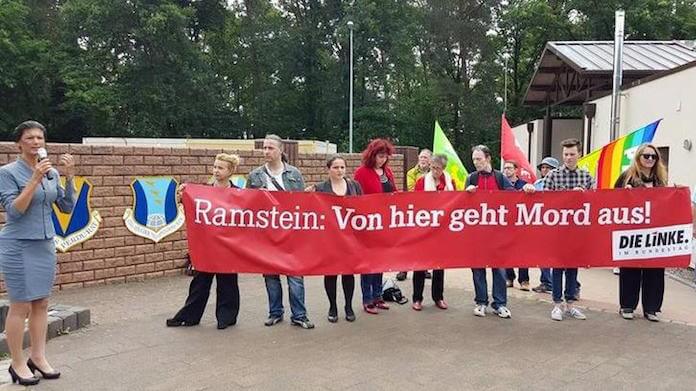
x=438, y=284
x=226, y=307
x=652, y=282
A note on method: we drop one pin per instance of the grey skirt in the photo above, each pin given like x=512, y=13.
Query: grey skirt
x=29, y=268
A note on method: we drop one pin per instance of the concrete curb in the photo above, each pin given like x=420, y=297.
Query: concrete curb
x=62, y=319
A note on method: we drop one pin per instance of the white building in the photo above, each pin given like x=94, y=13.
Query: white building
x=659, y=83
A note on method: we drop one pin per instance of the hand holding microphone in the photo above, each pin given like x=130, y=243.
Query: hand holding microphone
x=43, y=166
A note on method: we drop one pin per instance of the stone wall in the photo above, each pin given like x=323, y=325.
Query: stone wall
x=114, y=254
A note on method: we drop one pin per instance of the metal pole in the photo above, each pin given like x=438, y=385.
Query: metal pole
x=618, y=73
x=350, y=98
x=506, y=88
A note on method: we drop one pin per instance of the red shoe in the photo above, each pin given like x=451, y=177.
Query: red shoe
x=441, y=304
x=370, y=309
x=381, y=305
x=417, y=305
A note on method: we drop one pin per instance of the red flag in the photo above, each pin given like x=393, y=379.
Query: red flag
x=510, y=150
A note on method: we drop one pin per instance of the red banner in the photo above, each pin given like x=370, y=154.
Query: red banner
x=255, y=231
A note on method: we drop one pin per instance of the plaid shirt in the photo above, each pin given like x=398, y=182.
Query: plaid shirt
x=562, y=178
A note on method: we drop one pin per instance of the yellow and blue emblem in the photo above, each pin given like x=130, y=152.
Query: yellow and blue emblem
x=79, y=225
x=155, y=213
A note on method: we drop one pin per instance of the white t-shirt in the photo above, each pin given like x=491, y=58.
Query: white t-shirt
x=269, y=182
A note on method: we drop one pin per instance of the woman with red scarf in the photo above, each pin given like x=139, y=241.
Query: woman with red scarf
x=375, y=176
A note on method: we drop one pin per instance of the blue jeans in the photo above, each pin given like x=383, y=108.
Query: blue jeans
x=524, y=275
x=499, y=287
x=545, y=278
x=275, y=296
x=371, y=286
x=571, y=285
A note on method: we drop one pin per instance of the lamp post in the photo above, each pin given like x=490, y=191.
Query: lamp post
x=350, y=97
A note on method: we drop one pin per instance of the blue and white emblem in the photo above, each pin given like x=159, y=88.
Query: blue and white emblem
x=155, y=213
x=79, y=225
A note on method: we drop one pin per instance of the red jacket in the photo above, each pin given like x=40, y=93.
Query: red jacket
x=369, y=180
x=420, y=184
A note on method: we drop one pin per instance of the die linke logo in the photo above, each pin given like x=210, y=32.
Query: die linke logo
x=155, y=213
x=79, y=225
x=652, y=242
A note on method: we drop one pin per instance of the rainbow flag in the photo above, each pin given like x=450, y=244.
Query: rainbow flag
x=608, y=162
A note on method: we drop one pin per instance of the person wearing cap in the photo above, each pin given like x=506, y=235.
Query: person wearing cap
x=547, y=164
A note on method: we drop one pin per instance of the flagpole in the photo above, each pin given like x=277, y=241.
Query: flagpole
x=350, y=99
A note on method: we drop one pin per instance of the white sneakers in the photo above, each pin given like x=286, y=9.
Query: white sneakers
x=502, y=311
x=557, y=313
x=576, y=313
x=573, y=312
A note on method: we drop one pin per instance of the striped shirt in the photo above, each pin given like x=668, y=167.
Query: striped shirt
x=563, y=178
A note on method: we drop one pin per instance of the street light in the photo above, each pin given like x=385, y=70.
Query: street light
x=350, y=98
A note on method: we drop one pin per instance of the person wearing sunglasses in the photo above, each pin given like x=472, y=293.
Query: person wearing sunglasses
x=646, y=170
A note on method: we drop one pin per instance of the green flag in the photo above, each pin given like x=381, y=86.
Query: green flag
x=454, y=165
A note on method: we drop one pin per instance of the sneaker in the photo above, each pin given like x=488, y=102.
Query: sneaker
x=541, y=289
x=652, y=317
x=273, y=320
x=303, y=322
x=417, y=305
x=576, y=313
x=510, y=283
x=557, y=313
x=616, y=271
x=381, y=305
x=480, y=310
x=428, y=275
x=626, y=313
x=503, y=312
x=401, y=276
x=524, y=286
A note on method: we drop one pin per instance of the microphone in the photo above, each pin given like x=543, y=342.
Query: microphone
x=42, y=154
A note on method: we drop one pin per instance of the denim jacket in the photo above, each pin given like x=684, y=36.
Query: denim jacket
x=36, y=221
x=292, y=179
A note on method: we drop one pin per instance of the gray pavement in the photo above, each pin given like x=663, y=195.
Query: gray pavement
x=128, y=347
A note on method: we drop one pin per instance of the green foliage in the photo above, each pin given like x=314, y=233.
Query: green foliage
x=218, y=68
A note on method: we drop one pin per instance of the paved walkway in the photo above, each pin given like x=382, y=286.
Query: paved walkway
x=129, y=348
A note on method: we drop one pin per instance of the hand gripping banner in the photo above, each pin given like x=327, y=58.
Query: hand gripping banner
x=255, y=231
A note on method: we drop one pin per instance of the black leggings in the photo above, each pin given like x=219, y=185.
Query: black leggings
x=348, y=282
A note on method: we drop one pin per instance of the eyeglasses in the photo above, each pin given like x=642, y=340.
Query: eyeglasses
x=649, y=156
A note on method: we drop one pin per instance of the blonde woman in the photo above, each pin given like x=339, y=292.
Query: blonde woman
x=646, y=170
x=227, y=306
x=435, y=180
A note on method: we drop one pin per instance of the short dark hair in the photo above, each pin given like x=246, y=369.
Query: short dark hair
x=26, y=125
x=571, y=142
x=514, y=163
x=486, y=151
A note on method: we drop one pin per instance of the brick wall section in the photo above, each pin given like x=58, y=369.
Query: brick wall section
x=114, y=254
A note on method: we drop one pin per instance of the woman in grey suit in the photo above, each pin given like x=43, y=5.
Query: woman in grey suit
x=28, y=188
